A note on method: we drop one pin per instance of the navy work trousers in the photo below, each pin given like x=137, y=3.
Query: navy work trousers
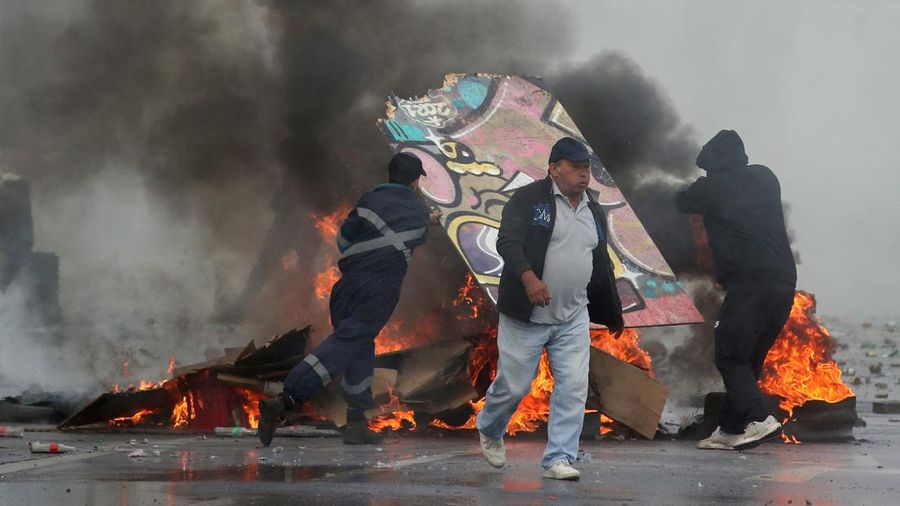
x=361, y=305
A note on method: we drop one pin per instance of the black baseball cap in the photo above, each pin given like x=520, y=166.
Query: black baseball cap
x=405, y=168
x=569, y=149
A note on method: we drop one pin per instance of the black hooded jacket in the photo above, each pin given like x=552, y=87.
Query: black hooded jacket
x=742, y=213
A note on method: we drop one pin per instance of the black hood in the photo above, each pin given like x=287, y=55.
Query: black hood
x=724, y=151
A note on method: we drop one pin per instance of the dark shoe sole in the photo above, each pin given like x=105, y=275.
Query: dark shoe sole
x=753, y=444
x=268, y=418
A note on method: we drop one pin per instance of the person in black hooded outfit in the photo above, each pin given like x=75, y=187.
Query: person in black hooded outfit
x=744, y=219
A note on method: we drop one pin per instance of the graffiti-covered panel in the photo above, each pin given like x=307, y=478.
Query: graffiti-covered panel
x=480, y=137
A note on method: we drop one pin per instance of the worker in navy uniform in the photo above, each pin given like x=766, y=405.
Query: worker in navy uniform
x=376, y=242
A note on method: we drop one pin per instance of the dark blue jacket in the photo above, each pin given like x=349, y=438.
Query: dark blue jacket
x=380, y=233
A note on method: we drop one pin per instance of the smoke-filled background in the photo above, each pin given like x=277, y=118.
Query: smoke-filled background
x=178, y=152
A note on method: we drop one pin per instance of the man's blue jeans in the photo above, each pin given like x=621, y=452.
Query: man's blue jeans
x=521, y=345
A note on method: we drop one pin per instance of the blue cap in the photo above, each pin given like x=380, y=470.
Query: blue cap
x=569, y=149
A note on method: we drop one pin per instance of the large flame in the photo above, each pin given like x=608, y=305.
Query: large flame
x=799, y=367
x=534, y=409
x=201, y=403
x=328, y=226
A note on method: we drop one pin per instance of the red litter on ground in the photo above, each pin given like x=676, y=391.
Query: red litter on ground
x=37, y=447
x=12, y=431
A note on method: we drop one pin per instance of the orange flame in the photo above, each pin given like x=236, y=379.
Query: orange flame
x=799, y=367
x=127, y=421
x=251, y=406
x=470, y=296
x=184, y=411
x=395, y=419
x=325, y=280
x=328, y=226
x=535, y=407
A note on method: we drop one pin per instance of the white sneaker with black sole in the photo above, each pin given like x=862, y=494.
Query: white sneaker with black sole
x=562, y=471
x=718, y=441
x=757, y=433
x=493, y=450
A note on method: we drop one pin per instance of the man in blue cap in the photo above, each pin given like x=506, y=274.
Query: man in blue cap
x=557, y=279
x=743, y=217
x=376, y=242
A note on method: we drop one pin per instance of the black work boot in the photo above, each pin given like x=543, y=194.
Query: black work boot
x=271, y=413
x=357, y=433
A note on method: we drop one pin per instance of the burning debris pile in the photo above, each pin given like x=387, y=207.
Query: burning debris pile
x=201, y=397
x=799, y=370
x=804, y=383
x=440, y=385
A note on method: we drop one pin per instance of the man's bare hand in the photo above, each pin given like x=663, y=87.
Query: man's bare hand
x=537, y=291
x=434, y=217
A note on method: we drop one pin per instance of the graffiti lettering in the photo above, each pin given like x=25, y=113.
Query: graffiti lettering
x=432, y=111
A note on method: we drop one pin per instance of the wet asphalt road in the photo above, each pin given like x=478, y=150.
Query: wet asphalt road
x=427, y=469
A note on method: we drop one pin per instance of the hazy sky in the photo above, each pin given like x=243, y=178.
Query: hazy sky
x=813, y=87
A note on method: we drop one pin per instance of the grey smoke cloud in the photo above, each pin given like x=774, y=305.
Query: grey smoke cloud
x=807, y=86
x=163, y=140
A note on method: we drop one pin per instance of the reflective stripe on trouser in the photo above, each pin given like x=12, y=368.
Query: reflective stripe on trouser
x=521, y=345
x=360, y=307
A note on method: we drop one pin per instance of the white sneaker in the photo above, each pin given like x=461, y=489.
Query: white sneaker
x=718, y=440
x=757, y=433
x=562, y=471
x=493, y=450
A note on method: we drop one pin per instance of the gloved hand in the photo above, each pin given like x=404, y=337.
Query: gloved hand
x=617, y=327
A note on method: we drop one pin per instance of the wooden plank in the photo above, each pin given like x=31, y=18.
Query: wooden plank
x=424, y=364
x=626, y=393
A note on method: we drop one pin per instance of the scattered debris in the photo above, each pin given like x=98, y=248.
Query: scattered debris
x=247, y=371
x=881, y=385
x=876, y=368
x=137, y=454
x=277, y=449
x=12, y=431
x=881, y=396
x=38, y=447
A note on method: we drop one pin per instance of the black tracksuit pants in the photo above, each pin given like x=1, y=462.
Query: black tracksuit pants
x=750, y=319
